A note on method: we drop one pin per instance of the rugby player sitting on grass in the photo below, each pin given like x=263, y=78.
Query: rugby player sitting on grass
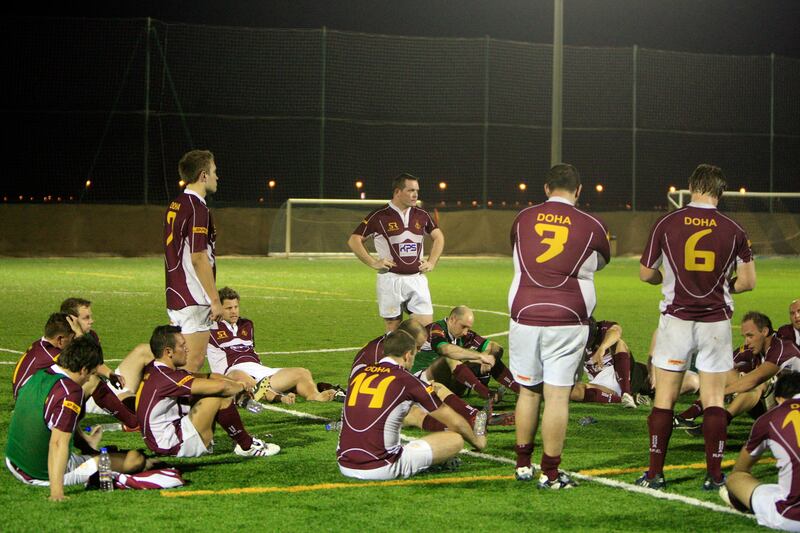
x=791, y=331
x=177, y=409
x=775, y=506
x=378, y=399
x=39, y=449
x=232, y=353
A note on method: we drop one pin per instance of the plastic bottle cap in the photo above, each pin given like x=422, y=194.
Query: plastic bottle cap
x=103, y=450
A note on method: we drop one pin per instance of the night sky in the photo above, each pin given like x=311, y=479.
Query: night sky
x=711, y=26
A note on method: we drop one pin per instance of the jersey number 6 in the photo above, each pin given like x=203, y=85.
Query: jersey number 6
x=556, y=242
x=362, y=384
x=698, y=260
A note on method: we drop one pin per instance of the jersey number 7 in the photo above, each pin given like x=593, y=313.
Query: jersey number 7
x=362, y=384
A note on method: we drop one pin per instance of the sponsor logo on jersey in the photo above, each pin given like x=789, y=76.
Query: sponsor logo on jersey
x=520, y=377
x=675, y=362
x=416, y=225
x=198, y=229
x=407, y=249
x=222, y=335
x=553, y=219
x=393, y=226
x=696, y=221
x=72, y=406
x=245, y=333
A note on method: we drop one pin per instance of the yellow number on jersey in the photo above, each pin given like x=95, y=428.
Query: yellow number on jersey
x=556, y=242
x=362, y=384
x=793, y=418
x=698, y=260
x=171, y=221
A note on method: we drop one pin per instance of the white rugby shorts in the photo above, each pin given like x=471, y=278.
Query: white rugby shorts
x=677, y=340
x=191, y=319
x=256, y=371
x=607, y=378
x=552, y=354
x=763, y=503
x=192, y=445
x=396, y=289
x=417, y=456
x=78, y=471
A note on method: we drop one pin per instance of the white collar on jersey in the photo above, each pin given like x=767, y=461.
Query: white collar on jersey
x=403, y=214
x=233, y=327
x=701, y=205
x=189, y=191
x=559, y=200
x=388, y=360
x=59, y=370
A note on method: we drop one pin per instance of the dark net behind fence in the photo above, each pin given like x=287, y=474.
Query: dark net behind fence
x=116, y=103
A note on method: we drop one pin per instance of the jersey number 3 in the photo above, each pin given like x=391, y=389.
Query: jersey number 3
x=362, y=384
x=698, y=260
x=556, y=241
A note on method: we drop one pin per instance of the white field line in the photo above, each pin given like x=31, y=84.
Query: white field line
x=594, y=479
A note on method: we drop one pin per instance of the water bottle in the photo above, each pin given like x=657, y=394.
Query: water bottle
x=334, y=426
x=481, y=420
x=586, y=420
x=104, y=471
x=106, y=427
x=253, y=406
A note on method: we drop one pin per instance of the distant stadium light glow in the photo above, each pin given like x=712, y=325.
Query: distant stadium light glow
x=742, y=190
x=599, y=187
x=271, y=184
x=181, y=183
x=88, y=183
x=442, y=185
x=672, y=188
x=522, y=186
x=359, y=184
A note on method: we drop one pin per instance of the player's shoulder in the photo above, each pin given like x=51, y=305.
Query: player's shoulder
x=245, y=322
x=383, y=210
x=786, y=331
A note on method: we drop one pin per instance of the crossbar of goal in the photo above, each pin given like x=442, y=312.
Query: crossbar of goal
x=318, y=201
x=676, y=198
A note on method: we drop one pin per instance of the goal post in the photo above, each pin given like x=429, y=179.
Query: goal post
x=340, y=213
x=679, y=198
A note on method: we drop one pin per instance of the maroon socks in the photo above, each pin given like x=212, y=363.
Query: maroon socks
x=660, y=425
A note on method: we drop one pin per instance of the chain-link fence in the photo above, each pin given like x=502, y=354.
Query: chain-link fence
x=116, y=102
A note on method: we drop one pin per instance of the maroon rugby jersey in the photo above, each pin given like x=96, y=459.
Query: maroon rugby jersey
x=557, y=250
x=161, y=401
x=744, y=360
x=438, y=334
x=398, y=236
x=699, y=248
x=779, y=431
x=788, y=332
x=783, y=354
x=608, y=358
x=231, y=344
x=188, y=229
x=63, y=403
x=369, y=354
x=41, y=354
x=378, y=398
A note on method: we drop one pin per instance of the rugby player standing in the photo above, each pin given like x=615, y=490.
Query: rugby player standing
x=189, y=260
x=699, y=248
x=398, y=230
x=557, y=249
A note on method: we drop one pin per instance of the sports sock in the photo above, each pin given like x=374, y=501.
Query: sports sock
x=431, y=424
x=464, y=375
x=105, y=398
x=715, y=433
x=230, y=420
x=461, y=407
x=622, y=368
x=694, y=410
x=550, y=466
x=660, y=425
x=599, y=396
x=503, y=376
x=524, y=452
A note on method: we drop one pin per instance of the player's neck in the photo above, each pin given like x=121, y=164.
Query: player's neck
x=701, y=198
x=571, y=197
x=197, y=188
x=396, y=204
x=767, y=344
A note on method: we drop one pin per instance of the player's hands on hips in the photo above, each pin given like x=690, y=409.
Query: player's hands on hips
x=382, y=265
x=426, y=266
x=216, y=311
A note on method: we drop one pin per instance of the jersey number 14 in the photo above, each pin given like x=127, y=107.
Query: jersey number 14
x=362, y=385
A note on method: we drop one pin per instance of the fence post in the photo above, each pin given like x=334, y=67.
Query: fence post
x=146, y=140
x=556, y=121
x=485, y=192
x=322, y=116
x=771, y=127
x=633, y=134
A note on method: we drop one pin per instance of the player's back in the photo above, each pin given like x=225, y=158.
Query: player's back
x=188, y=228
x=557, y=249
x=699, y=248
x=783, y=354
x=378, y=398
x=369, y=354
x=41, y=354
x=162, y=399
